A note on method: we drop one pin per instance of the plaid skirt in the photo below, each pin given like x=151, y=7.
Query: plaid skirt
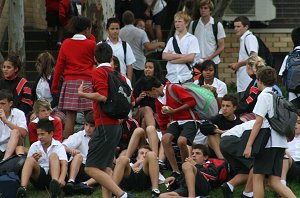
x=69, y=99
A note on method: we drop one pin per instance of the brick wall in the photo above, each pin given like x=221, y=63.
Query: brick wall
x=35, y=13
x=278, y=40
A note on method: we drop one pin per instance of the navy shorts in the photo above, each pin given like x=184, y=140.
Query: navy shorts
x=187, y=130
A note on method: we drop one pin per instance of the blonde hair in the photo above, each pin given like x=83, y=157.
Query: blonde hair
x=256, y=63
x=184, y=16
x=41, y=103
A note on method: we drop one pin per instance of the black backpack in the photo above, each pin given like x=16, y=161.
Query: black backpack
x=291, y=74
x=118, y=103
x=263, y=52
x=214, y=27
x=124, y=45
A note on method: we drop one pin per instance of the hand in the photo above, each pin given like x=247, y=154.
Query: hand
x=190, y=160
x=233, y=66
x=169, y=180
x=74, y=152
x=3, y=116
x=247, y=151
x=142, y=95
x=167, y=110
x=147, y=13
x=136, y=169
x=162, y=44
x=37, y=155
x=82, y=89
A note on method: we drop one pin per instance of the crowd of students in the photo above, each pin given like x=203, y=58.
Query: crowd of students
x=132, y=153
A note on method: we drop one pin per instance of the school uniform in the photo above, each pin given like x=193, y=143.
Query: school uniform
x=221, y=87
x=294, y=150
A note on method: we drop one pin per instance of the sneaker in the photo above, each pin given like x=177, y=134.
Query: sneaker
x=227, y=193
x=83, y=189
x=244, y=196
x=54, y=188
x=69, y=188
x=175, y=174
x=155, y=193
x=21, y=192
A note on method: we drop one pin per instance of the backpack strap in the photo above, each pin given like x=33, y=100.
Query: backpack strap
x=20, y=85
x=215, y=31
x=177, y=50
x=194, y=25
x=124, y=45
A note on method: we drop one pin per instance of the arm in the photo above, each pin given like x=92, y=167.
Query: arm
x=185, y=58
x=152, y=46
x=63, y=171
x=237, y=65
x=92, y=96
x=221, y=45
x=170, y=56
x=11, y=125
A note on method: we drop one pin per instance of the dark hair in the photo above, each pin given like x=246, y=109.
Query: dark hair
x=103, y=53
x=46, y=62
x=6, y=94
x=46, y=125
x=89, y=117
x=15, y=60
x=128, y=17
x=232, y=98
x=267, y=75
x=136, y=21
x=79, y=23
x=157, y=70
x=201, y=147
x=149, y=82
x=145, y=147
x=112, y=20
x=204, y=66
x=296, y=36
x=116, y=63
x=243, y=19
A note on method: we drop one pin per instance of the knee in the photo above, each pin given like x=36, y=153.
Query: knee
x=78, y=157
x=186, y=166
x=166, y=139
x=53, y=156
x=181, y=142
x=139, y=131
x=150, y=129
x=151, y=155
x=147, y=109
x=122, y=160
x=15, y=133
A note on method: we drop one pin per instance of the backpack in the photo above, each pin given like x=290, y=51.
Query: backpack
x=14, y=163
x=124, y=45
x=291, y=74
x=177, y=50
x=285, y=117
x=223, y=171
x=263, y=52
x=9, y=184
x=118, y=103
x=214, y=27
x=206, y=103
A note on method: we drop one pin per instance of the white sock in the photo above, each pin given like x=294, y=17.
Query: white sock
x=230, y=186
x=71, y=180
x=124, y=195
x=283, y=181
x=156, y=190
x=248, y=194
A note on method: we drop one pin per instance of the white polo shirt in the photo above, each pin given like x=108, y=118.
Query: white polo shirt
x=55, y=147
x=17, y=117
x=242, y=77
x=291, y=95
x=180, y=72
x=264, y=106
x=119, y=52
x=79, y=141
x=294, y=148
x=158, y=7
x=206, y=38
x=221, y=87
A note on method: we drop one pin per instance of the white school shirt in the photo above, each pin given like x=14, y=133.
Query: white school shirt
x=158, y=7
x=188, y=44
x=238, y=130
x=79, y=141
x=206, y=38
x=55, y=147
x=291, y=96
x=242, y=77
x=17, y=117
x=119, y=52
x=264, y=106
x=294, y=148
x=221, y=87
x=43, y=90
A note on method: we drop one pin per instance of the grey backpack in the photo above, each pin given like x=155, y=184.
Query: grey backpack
x=285, y=116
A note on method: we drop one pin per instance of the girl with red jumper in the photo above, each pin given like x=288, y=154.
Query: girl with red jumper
x=75, y=62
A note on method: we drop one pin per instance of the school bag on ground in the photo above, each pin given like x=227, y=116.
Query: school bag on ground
x=14, y=163
x=118, y=103
x=206, y=103
x=285, y=116
x=263, y=52
x=9, y=184
x=291, y=75
x=223, y=170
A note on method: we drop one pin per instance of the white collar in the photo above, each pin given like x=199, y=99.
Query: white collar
x=36, y=120
x=79, y=37
x=104, y=64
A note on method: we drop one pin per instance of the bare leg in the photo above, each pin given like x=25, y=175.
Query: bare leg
x=285, y=167
x=149, y=29
x=69, y=123
x=238, y=179
x=75, y=166
x=150, y=167
x=158, y=33
x=214, y=143
x=258, y=185
x=249, y=184
x=137, y=139
x=122, y=169
x=54, y=166
x=182, y=144
x=15, y=136
x=279, y=188
x=31, y=169
x=169, y=152
x=152, y=138
x=190, y=171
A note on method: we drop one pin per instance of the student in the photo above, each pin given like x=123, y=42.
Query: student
x=107, y=132
x=77, y=146
x=178, y=70
x=241, y=28
x=76, y=67
x=210, y=47
x=46, y=163
x=13, y=125
x=197, y=173
x=293, y=97
x=276, y=145
x=140, y=175
x=22, y=98
x=182, y=128
x=42, y=110
x=113, y=39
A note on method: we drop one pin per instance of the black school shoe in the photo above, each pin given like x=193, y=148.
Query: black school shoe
x=83, y=189
x=227, y=193
x=69, y=188
x=54, y=188
x=21, y=192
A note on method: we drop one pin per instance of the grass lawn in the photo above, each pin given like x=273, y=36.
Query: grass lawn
x=147, y=194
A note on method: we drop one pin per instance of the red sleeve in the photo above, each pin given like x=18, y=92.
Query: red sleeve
x=64, y=11
x=58, y=130
x=59, y=67
x=184, y=96
x=92, y=37
x=32, y=133
x=163, y=119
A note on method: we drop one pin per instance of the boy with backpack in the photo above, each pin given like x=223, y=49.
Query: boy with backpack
x=276, y=145
x=46, y=162
x=291, y=65
x=198, y=175
x=180, y=51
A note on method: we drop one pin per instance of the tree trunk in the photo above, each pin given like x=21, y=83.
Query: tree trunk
x=220, y=9
x=2, y=3
x=99, y=11
x=16, y=42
